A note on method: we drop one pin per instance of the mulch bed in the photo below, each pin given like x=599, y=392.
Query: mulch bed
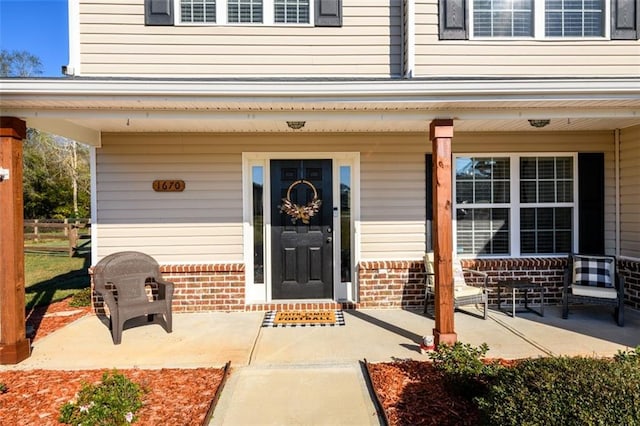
x=414, y=393
x=34, y=397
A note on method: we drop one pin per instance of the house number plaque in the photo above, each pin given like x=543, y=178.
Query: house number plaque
x=168, y=185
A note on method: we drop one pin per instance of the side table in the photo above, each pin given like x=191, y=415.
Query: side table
x=524, y=286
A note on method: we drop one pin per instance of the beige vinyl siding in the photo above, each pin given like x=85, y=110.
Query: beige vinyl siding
x=115, y=42
x=630, y=192
x=533, y=142
x=203, y=224
x=504, y=57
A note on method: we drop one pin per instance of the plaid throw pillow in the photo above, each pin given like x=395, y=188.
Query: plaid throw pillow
x=593, y=272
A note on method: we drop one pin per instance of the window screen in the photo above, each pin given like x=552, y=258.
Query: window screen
x=574, y=18
x=503, y=18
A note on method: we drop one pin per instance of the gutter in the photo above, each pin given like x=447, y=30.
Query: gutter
x=340, y=90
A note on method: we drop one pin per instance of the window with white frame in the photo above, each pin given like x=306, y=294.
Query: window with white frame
x=198, y=11
x=513, y=205
x=546, y=204
x=248, y=12
x=539, y=18
x=291, y=11
x=244, y=11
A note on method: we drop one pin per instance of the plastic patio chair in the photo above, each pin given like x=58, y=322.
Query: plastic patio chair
x=123, y=279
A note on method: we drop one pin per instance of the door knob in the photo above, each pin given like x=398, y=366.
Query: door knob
x=329, y=239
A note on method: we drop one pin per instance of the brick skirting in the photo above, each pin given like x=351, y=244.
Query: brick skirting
x=382, y=284
x=391, y=284
x=200, y=288
x=630, y=269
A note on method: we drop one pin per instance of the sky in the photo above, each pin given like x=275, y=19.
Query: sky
x=40, y=27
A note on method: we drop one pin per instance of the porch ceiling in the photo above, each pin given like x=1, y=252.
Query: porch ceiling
x=83, y=109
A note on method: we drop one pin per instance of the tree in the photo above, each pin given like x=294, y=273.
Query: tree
x=56, y=177
x=19, y=63
x=56, y=170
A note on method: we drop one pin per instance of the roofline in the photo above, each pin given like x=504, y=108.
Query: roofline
x=338, y=90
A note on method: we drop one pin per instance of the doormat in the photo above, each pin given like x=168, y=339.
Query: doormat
x=303, y=318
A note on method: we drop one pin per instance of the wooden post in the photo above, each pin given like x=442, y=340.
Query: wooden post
x=14, y=346
x=441, y=133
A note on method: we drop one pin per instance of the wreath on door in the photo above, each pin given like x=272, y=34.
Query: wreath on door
x=303, y=213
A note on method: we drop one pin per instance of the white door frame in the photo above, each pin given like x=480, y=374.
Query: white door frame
x=261, y=293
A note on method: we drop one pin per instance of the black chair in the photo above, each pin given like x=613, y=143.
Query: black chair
x=126, y=281
x=593, y=280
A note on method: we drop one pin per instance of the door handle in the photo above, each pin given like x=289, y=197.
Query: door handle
x=329, y=239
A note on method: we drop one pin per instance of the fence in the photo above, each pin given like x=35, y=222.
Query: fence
x=39, y=230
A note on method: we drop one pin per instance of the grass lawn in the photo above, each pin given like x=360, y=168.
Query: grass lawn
x=53, y=277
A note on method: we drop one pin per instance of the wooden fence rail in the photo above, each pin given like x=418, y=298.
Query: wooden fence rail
x=56, y=229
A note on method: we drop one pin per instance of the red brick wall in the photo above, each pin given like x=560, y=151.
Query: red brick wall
x=383, y=284
x=215, y=287
x=548, y=272
x=401, y=284
x=391, y=284
x=630, y=269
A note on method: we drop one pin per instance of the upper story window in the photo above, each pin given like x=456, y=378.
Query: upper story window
x=291, y=11
x=198, y=11
x=538, y=18
x=244, y=11
x=233, y=12
x=574, y=18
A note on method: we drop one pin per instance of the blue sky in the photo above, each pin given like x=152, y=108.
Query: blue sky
x=39, y=27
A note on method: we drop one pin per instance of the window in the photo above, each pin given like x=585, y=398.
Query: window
x=291, y=11
x=573, y=18
x=538, y=18
x=546, y=200
x=198, y=11
x=505, y=18
x=244, y=11
x=482, y=200
x=512, y=205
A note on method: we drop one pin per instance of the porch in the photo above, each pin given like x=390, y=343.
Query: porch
x=214, y=338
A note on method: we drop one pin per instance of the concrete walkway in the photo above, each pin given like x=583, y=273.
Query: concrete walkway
x=312, y=376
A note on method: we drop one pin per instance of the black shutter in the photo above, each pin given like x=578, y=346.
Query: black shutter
x=328, y=13
x=591, y=203
x=625, y=19
x=158, y=12
x=452, y=18
x=428, y=178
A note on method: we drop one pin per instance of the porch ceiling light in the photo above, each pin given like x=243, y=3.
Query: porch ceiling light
x=539, y=123
x=296, y=125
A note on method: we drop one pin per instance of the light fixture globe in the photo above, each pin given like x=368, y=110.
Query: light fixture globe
x=539, y=123
x=296, y=125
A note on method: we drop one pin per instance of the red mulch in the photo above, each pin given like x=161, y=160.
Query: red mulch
x=34, y=397
x=413, y=393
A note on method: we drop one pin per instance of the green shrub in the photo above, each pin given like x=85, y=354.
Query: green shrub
x=464, y=370
x=3, y=388
x=81, y=298
x=112, y=402
x=565, y=391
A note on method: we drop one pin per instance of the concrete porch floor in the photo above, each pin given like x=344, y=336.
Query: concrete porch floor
x=284, y=362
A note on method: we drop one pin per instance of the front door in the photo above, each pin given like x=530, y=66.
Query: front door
x=301, y=229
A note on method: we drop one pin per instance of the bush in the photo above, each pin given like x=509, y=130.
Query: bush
x=565, y=391
x=464, y=370
x=3, y=388
x=81, y=298
x=114, y=402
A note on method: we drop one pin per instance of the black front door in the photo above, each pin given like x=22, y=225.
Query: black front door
x=301, y=229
